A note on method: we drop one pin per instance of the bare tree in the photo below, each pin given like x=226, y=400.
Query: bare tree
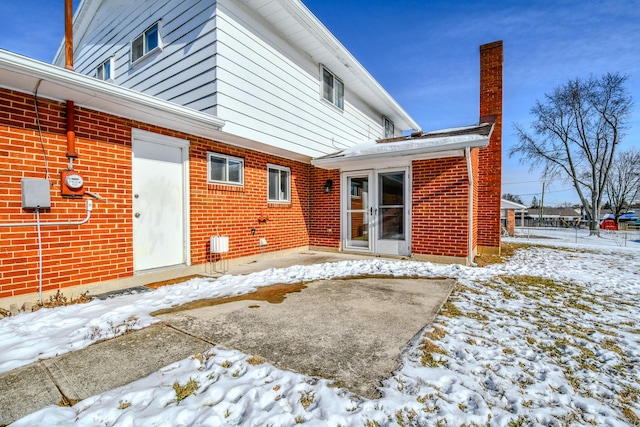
x=623, y=183
x=575, y=135
x=534, y=203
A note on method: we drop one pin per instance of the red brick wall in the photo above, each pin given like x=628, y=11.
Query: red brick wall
x=439, y=220
x=103, y=248
x=490, y=176
x=324, y=225
x=236, y=211
x=99, y=250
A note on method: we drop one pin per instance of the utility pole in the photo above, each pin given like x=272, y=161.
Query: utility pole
x=542, y=204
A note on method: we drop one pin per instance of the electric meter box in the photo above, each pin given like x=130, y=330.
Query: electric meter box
x=36, y=193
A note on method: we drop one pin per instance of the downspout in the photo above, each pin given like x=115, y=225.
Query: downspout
x=467, y=153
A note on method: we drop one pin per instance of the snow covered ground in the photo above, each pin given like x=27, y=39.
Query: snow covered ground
x=549, y=337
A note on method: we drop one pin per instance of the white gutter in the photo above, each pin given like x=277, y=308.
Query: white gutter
x=467, y=153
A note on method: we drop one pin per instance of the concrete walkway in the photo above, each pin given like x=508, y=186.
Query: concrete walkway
x=351, y=331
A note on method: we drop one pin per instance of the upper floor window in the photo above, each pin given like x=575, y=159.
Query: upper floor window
x=278, y=183
x=225, y=169
x=389, y=128
x=332, y=89
x=145, y=43
x=105, y=70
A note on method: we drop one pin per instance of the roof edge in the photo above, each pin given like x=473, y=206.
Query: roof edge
x=61, y=76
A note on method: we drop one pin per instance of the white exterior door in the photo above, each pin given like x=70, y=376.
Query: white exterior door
x=376, y=213
x=159, y=201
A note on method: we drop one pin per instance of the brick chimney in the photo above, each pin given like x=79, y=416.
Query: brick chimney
x=490, y=158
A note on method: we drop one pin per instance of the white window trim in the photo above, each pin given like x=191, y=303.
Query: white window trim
x=111, y=63
x=227, y=158
x=335, y=78
x=146, y=53
x=288, y=195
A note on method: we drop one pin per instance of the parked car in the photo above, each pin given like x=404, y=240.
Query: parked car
x=608, y=224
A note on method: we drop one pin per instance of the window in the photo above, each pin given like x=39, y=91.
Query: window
x=225, y=169
x=278, y=183
x=389, y=129
x=105, y=70
x=332, y=89
x=145, y=43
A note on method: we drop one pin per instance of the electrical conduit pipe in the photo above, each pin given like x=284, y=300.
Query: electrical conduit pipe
x=38, y=225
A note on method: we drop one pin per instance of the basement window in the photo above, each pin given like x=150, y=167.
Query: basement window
x=145, y=43
x=105, y=70
x=278, y=184
x=332, y=89
x=223, y=169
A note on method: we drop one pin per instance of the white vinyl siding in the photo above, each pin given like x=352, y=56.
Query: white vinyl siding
x=183, y=72
x=223, y=169
x=278, y=184
x=269, y=92
x=224, y=59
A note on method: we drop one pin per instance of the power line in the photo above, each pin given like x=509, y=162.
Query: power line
x=521, y=182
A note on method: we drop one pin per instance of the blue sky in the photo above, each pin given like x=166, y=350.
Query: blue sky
x=425, y=53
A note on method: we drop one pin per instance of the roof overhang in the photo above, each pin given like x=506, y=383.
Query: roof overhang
x=25, y=75
x=508, y=204
x=427, y=146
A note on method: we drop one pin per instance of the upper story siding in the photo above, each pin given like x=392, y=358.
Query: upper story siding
x=225, y=59
x=269, y=90
x=182, y=71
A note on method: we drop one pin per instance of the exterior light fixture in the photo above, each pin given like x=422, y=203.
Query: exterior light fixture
x=328, y=185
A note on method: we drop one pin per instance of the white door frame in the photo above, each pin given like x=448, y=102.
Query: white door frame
x=376, y=245
x=183, y=145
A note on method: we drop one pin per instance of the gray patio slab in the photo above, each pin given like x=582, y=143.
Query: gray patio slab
x=24, y=390
x=114, y=363
x=351, y=331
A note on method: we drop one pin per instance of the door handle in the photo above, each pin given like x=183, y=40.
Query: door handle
x=137, y=215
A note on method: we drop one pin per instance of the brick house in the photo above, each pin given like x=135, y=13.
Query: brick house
x=163, y=177
x=509, y=210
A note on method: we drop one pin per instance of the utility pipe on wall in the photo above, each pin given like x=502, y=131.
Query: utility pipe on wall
x=88, y=207
x=68, y=34
x=68, y=43
x=71, y=132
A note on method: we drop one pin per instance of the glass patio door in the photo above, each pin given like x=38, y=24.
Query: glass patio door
x=375, y=213
x=390, y=213
x=357, y=214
